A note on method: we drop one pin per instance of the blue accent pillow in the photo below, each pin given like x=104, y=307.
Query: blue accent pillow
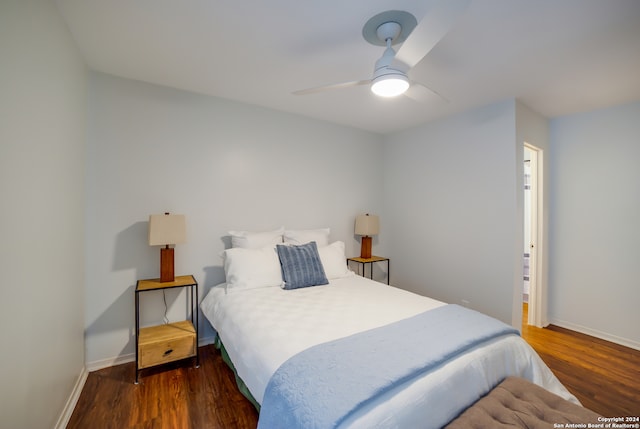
x=301, y=266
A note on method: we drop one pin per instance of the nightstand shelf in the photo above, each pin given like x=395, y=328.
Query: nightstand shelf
x=369, y=261
x=160, y=344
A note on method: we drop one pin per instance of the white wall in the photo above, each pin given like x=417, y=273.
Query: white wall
x=42, y=119
x=225, y=165
x=451, y=211
x=595, y=208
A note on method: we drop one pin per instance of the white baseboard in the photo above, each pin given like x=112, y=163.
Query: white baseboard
x=206, y=341
x=131, y=357
x=595, y=333
x=67, y=412
x=108, y=362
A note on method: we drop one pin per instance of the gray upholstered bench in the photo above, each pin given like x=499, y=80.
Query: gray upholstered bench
x=519, y=403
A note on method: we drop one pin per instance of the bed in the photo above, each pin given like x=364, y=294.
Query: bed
x=264, y=327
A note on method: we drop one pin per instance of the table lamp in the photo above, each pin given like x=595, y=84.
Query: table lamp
x=367, y=225
x=166, y=230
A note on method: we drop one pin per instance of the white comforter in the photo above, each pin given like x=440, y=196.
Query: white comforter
x=262, y=328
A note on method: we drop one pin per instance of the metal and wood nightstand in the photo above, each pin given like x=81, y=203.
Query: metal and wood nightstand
x=369, y=261
x=156, y=345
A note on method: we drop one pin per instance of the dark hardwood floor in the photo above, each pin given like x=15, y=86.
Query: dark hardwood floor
x=604, y=376
x=175, y=396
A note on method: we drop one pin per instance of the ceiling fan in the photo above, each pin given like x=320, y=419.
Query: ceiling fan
x=390, y=75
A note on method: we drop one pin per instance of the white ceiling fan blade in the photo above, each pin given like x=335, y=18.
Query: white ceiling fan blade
x=424, y=94
x=331, y=87
x=433, y=27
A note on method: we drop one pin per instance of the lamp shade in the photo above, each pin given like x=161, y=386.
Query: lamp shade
x=367, y=225
x=165, y=229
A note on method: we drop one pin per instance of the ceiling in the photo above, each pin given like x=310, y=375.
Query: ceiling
x=557, y=57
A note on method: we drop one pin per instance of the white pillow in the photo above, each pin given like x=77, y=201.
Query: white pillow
x=252, y=268
x=256, y=240
x=334, y=260
x=304, y=236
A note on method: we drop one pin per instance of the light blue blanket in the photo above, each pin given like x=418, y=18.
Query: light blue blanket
x=321, y=386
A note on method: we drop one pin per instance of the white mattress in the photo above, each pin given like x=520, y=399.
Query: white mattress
x=262, y=328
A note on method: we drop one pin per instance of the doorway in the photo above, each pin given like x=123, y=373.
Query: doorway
x=533, y=257
x=527, y=227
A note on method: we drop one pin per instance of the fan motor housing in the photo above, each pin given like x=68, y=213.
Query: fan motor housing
x=405, y=20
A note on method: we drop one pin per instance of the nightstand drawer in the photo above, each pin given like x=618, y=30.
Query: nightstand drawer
x=166, y=343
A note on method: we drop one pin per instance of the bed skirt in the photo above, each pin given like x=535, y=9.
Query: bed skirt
x=241, y=386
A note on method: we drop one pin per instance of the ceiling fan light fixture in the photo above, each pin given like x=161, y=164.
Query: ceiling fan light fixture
x=390, y=85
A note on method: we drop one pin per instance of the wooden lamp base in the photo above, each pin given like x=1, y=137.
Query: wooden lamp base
x=365, y=248
x=166, y=265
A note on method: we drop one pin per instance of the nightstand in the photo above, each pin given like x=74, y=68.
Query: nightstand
x=369, y=261
x=156, y=345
